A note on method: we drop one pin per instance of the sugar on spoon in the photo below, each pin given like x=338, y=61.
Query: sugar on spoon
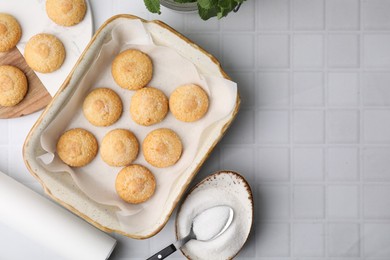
x=206, y=226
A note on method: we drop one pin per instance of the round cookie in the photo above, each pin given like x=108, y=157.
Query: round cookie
x=102, y=107
x=77, y=147
x=148, y=106
x=162, y=148
x=132, y=69
x=44, y=53
x=66, y=12
x=119, y=147
x=10, y=32
x=188, y=103
x=135, y=184
x=13, y=86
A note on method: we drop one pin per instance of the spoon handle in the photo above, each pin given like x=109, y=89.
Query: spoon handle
x=163, y=253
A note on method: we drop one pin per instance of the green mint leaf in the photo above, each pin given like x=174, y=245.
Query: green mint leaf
x=225, y=4
x=153, y=6
x=207, y=4
x=207, y=13
x=225, y=7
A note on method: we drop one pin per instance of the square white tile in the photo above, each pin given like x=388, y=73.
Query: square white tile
x=342, y=14
x=308, y=164
x=344, y=240
x=273, y=14
x=308, y=89
x=273, y=89
x=272, y=164
x=308, y=126
x=342, y=126
x=237, y=59
x=376, y=126
x=376, y=240
x=308, y=50
x=342, y=163
x=375, y=89
x=308, y=239
x=376, y=163
x=343, y=89
x=376, y=14
x=308, y=14
x=343, y=201
x=273, y=51
x=273, y=202
x=308, y=201
x=343, y=51
x=376, y=50
x=272, y=126
x=376, y=201
x=274, y=241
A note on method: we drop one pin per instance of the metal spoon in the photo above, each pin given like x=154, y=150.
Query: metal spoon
x=192, y=235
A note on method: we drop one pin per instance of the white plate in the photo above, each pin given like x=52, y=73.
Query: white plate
x=33, y=19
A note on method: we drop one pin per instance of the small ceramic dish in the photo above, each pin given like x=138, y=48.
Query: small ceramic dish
x=61, y=187
x=221, y=188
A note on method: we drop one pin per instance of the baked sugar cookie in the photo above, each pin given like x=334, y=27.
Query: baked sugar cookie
x=119, y=147
x=102, y=107
x=10, y=32
x=13, y=85
x=132, y=69
x=188, y=103
x=77, y=147
x=44, y=53
x=135, y=184
x=66, y=12
x=148, y=106
x=162, y=148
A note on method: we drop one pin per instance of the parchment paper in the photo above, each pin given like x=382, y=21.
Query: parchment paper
x=50, y=225
x=171, y=70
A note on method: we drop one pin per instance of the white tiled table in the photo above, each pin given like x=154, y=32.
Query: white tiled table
x=312, y=137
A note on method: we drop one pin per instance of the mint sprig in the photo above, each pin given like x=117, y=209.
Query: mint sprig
x=153, y=6
x=206, y=8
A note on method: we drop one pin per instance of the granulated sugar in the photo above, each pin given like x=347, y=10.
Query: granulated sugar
x=230, y=242
x=209, y=223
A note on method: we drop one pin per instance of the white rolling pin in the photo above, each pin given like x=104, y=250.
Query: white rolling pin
x=49, y=224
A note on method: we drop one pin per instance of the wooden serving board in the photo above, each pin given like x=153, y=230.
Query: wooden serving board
x=37, y=96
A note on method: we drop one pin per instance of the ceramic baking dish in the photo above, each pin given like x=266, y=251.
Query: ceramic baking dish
x=61, y=187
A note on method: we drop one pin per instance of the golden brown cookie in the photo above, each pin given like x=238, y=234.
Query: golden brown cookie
x=10, y=32
x=102, y=107
x=132, y=69
x=77, y=147
x=44, y=53
x=188, y=103
x=148, y=106
x=162, y=148
x=13, y=85
x=119, y=147
x=135, y=184
x=66, y=12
